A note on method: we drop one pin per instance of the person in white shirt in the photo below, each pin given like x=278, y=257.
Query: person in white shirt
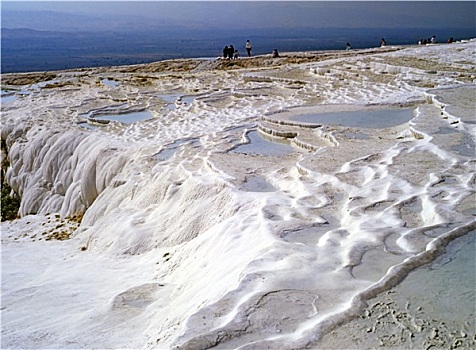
x=248, y=47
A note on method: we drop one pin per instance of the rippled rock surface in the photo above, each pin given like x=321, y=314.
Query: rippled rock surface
x=188, y=230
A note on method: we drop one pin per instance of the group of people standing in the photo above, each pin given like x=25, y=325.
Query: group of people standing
x=431, y=40
x=229, y=52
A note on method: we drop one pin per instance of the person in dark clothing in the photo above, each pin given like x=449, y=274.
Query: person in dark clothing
x=225, y=52
x=231, y=51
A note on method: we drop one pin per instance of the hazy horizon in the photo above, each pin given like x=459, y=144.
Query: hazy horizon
x=234, y=15
x=40, y=35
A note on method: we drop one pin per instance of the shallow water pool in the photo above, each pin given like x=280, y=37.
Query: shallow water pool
x=8, y=98
x=86, y=125
x=372, y=119
x=257, y=184
x=172, y=148
x=110, y=83
x=259, y=145
x=172, y=98
x=126, y=118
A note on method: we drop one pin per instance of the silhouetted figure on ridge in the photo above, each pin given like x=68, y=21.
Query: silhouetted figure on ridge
x=231, y=51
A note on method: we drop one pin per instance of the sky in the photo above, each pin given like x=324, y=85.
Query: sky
x=236, y=14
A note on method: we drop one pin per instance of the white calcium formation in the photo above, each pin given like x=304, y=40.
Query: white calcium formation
x=189, y=240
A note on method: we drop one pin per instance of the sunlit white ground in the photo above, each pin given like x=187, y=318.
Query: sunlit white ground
x=222, y=220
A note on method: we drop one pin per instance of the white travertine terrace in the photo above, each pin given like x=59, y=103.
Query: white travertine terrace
x=177, y=251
